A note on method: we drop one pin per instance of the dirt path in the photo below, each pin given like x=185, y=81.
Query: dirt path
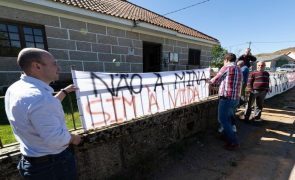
x=267, y=149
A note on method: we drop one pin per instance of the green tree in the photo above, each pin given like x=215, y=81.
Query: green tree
x=218, y=53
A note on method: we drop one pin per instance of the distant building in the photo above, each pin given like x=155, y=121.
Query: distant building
x=291, y=55
x=274, y=61
x=104, y=35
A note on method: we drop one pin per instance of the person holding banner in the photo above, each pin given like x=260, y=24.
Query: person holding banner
x=230, y=79
x=257, y=87
x=37, y=119
x=248, y=58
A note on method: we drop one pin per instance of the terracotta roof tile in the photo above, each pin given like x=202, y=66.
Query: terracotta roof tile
x=127, y=10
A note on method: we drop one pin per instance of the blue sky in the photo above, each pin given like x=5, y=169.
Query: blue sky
x=235, y=22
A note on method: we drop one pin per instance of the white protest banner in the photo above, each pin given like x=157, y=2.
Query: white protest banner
x=113, y=98
x=280, y=82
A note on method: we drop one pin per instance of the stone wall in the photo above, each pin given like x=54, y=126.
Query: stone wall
x=119, y=151
x=93, y=47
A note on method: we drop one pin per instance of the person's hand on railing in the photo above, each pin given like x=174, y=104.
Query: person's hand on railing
x=65, y=91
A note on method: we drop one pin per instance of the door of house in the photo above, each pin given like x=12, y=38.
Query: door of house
x=151, y=57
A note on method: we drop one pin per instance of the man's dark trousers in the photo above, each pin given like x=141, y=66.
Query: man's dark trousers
x=258, y=97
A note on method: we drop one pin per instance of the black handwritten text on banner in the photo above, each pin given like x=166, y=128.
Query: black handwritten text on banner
x=108, y=98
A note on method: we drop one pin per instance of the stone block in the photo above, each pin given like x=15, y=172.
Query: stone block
x=181, y=67
x=134, y=59
x=97, y=28
x=132, y=35
x=123, y=58
x=193, y=66
x=82, y=36
x=109, y=57
x=136, y=68
x=182, y=56
x=177, y=49
x=119, y=50
x=61, y=44
x=93, y=66
x=181, y=44
x=167, y=48
x=172, y=67
x=149, y=38
x=6, y=79
x=194, y=46
x=56, y=32
x=116, y=32
x=107, y=40
x=59, y=54
x=103, y=156
x=65, y=66
x=184, y=50
x=137, y=43
x=84, y=56
x=183, y=62
x=209, y=53
x=125, y=42
x=83, y=46
x=119, y=67
x=138, y=52
x=206, y=48
x=170, y=42
x=205, y=63
x=203, y=58
x=8, y=64
x=72, y=24
x=28, y=16
x=101, y=48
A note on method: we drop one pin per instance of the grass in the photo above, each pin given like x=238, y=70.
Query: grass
x=6, y=134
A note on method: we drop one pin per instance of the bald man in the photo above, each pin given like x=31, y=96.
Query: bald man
x=257, y=87
x=248, y=58
x=37, y=119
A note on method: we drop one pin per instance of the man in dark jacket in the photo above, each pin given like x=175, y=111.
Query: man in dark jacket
x=247, y=58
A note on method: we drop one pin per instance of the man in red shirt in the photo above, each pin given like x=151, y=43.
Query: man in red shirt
x=257, y=87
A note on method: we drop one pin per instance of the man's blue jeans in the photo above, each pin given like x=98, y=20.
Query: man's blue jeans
x=226, y=110
x=60, y=166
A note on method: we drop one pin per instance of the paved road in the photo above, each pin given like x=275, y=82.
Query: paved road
x=267, y=150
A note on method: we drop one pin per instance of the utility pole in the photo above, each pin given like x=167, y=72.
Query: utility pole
x=250, y=43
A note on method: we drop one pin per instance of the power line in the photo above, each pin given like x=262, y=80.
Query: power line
x=175, y=11
x=254, y=44
x=273, y=42
x=186, y=7
x=237, y=44
x=259, y=42
x=257, y=48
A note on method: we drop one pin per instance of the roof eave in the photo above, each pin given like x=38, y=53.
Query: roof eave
x=71, y=10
